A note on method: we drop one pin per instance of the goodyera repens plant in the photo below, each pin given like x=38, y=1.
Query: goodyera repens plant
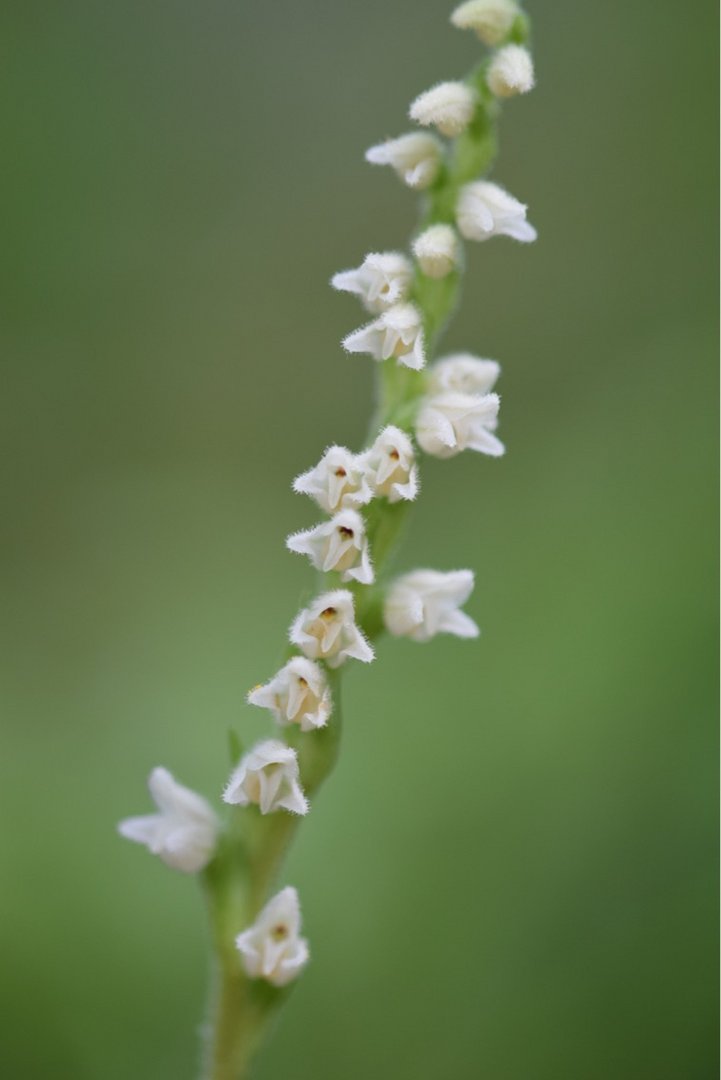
x=439, y=407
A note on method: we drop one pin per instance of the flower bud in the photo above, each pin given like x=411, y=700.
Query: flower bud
x=448, y=107
x=485, y=209
x=491, y=19
x=437, y=250
x=416, y=158
x=511, y=72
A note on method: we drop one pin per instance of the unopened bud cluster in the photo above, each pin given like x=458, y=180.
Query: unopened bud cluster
x=450, y=406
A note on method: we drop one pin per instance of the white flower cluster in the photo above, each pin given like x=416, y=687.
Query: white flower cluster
x=449, y=406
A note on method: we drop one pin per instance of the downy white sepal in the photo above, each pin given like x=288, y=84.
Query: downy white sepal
x=339, y=544
x=511, y=72
x=449, y=107
x=272, y=948
x=184, y=831
x=268, y=776
x=491, y=19
x=437, y=250
x=464, y=374
x=297, y=694
x=424, y=603
x=485, y=210
x=450, y=422
x=382, y=280
x=398, y=332
x=336, y=482
x=391, y=468
x=416, y=158
x=326, y=630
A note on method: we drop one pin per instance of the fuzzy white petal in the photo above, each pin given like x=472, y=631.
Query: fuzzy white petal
x=485, y=209
x=448, y=107
x=326, y=630
x=415, y=157
x=464, y=374
x=491, y=19
x=272, y=948
x=339, y=544
x=268, y=776
x=424, y=603
x=337, y=481
x=382, y=280
x=397, y=333
x=391, y=468
x=297, y=694
x=437, y=250
x=511, y=72
x=185, y=830
x=451, y=422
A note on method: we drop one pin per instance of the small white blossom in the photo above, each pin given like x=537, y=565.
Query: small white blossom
x=272, y=948
x=491, y=19
x=185, y=830
x=337, y=481
x=424, y=603
x=451, y=422
x=416, y=158
x=268, y=776
x=485, y=209
x=391, y=466
x=397, y=332
x=297, y=694
x=326, y=630
x=437, y=250
x=382, y=280
x=339, y=544
x=511, y=72
x=464, y=374
x=448, y=106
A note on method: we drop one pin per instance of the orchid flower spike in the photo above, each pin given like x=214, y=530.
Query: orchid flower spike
x=511, y=72
x=326, y=630
x=437, y=250
x=485, y=209
x=451, y=422
x=381, y=281
x=391, y=468
x=268, y=776
x=449, y=107
x=272, y=948
x=185, y=830
x=336, y=482
x=424, y=603
x=339, y=544
x=415, y=157
x=398, y=332
x=297, y=694
x=464, y=374
x=492, y=20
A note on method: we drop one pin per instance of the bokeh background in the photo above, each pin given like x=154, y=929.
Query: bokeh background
x=512, y=873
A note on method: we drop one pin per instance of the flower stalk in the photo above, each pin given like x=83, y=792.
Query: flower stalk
x=256, y=941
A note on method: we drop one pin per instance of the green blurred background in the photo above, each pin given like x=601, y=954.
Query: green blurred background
x=512, y=873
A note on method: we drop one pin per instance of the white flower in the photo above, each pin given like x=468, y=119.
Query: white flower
x=464, y=374
x=338, y=480
x=268, y=776
x=437, y=250
x=297, y=694
x=397, y=332
x=184, y=833
x=451, y=422
x=449, y=107
x=383, y=279
x=339, y=544
x=272, y=948
x=416, y=158
x=491, y=19
x=326, y=630
x=511, y=72
x=485, y=209
x=424, y=603
x=391, y=466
